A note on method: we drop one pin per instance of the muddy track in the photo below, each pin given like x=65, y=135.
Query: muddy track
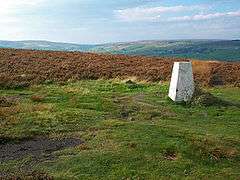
x=35, y=148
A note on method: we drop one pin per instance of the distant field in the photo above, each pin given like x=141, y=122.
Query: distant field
x=102, y=129
x=197, y=49
x=222, y=50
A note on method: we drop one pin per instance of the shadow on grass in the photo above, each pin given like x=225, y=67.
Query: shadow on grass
x=205, y=99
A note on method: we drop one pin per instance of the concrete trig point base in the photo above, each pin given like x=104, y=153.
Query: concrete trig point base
x=182, y=84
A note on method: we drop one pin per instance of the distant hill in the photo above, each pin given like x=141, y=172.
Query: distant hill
x=45, y=45
x=225, y=50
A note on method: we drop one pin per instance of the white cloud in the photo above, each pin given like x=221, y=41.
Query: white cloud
x=10, y=9
x=205, y=16
x=152, y=13
x=14, y=17
x=166, y=14
x=12, y=6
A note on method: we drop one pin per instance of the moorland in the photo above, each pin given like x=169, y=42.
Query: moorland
x=72, y=115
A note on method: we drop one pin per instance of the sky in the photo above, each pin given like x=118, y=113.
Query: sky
x=103, y=21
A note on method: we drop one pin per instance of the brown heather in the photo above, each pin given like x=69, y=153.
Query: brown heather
x=21, y=68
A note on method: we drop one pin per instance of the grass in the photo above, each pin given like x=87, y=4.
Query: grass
x=130, y=131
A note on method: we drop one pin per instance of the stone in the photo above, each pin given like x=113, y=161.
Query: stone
x=182, y=83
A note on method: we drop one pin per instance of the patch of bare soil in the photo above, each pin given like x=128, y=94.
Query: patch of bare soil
x=28, y=176
x=8, y=101
x=35, y=147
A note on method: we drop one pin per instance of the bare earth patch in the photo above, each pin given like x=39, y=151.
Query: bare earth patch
x=35, y=147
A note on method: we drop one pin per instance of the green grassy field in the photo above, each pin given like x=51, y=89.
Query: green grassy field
x=130, y=131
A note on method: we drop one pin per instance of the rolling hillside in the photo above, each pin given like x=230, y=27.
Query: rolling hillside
x=45, y=45
x=224, y=50
x=198, y=49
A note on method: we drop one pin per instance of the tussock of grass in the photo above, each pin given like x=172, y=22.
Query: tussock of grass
x=203, y=98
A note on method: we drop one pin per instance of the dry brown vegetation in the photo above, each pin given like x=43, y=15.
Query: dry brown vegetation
x=20, y=68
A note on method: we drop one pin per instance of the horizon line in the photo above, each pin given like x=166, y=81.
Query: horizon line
x=116, y=42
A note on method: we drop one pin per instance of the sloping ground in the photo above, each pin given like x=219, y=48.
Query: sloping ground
x=24, y=67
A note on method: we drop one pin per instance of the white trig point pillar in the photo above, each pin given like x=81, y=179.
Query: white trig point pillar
x=182, y=83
